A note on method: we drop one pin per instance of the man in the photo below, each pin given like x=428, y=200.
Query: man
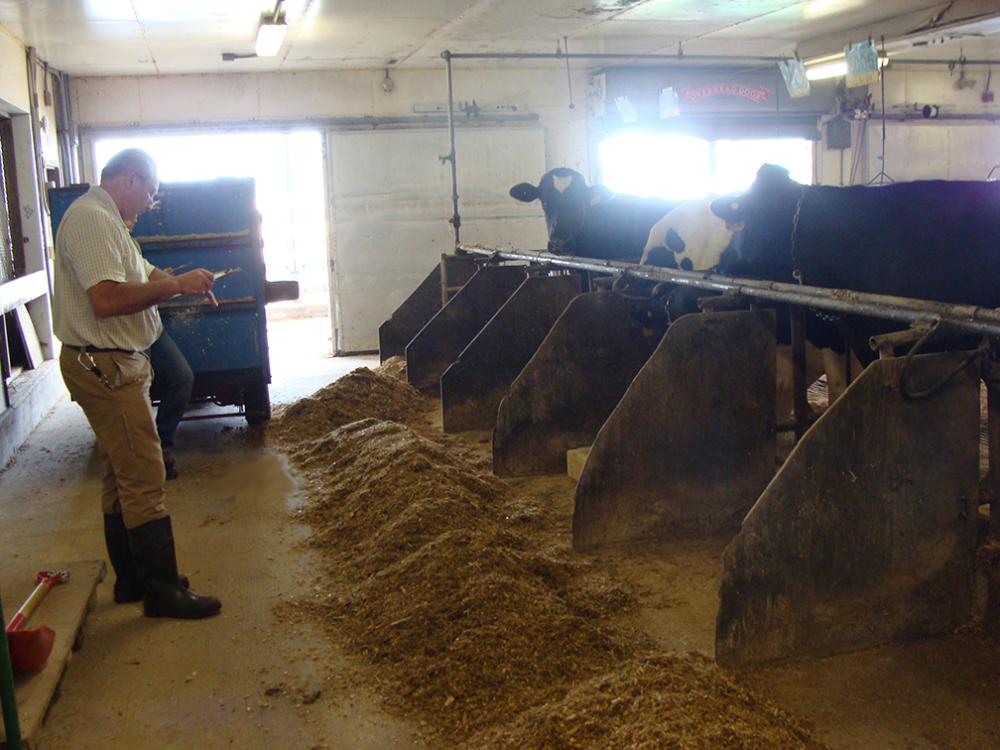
x=105, y=315
x=173, y=380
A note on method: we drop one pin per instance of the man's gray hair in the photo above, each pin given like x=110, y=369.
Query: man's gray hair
x=130, y=160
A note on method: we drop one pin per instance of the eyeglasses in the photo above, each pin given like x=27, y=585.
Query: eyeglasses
x=153, y=196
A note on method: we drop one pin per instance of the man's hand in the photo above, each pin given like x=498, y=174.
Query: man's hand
x=110, y=298
x=198, y=281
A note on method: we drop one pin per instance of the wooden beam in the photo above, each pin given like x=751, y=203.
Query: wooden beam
x=22, y=290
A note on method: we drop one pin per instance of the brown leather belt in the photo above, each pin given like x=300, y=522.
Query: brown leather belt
x=98, y=350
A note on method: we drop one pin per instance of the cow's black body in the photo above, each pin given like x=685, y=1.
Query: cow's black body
x=590, y=221
x=932, y=240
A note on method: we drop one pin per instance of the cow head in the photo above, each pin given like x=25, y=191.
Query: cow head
x=566, y=198
x=762, y=218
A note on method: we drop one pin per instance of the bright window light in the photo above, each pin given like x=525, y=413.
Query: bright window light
x=678, y=167
x=672, y=167
x=287, y=168
x=737, y=162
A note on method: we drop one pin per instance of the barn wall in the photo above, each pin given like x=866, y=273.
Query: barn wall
x=35, y=390
x=238, y=98
x=921, y=149
x=942, y=148
x=961, y=143
x=13, y=73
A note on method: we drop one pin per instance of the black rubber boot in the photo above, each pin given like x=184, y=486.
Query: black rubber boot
x=169, y=464
x=128, y=586
x=156, y=561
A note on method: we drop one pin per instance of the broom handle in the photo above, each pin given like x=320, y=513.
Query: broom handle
x=30, y=605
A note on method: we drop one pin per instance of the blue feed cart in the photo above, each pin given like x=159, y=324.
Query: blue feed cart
x=212, y=225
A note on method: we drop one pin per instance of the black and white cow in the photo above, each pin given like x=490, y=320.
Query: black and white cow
x=693, y=238
x=933, y=240
x=589, y=220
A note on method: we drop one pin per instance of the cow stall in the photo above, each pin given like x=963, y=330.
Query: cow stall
x=867, y=534
x=470, y=327
x=475, y=383
x=433, y=349
x=691, y=443
x=688, y=450
x=565, y=392
x=423, y=303
x=875, y=510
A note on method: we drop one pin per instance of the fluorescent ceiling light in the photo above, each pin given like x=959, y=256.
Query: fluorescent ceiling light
x=820, y=8
x=270, y=35
x=834, y=69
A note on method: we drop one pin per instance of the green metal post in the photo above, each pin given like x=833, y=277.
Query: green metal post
x=11, y=724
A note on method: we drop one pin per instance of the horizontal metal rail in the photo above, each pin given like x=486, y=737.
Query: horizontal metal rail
x=666, y=56
x=980, y=320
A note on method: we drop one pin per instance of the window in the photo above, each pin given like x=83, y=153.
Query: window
x=676, y=167
x=288, y=171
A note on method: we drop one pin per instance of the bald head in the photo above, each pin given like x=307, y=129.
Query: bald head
x=130, y=179
x=130, y=161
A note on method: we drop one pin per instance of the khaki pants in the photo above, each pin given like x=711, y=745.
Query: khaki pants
x=122, y=419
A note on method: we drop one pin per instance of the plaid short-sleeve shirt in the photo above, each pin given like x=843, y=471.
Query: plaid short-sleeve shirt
x=94, y=245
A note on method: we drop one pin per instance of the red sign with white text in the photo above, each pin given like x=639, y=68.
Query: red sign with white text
x=756, y=94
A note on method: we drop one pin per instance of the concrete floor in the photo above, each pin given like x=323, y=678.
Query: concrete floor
x=250, y=678
x=255, y=678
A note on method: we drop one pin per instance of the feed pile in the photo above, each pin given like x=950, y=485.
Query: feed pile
x=468, y=600
x=442, y=584
x=359, y=394
x=657, y=701
x=394, y=367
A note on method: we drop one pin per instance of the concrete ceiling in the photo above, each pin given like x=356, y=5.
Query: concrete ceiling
x=150, y=37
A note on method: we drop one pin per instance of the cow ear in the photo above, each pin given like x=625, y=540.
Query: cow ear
x=732, y=208
x=600, y=194
x=773, y=174
x=524, y=192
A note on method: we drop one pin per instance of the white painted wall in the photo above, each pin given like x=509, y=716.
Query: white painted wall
x=389, y=197
x=31, y=404
x=15, y=103
x=921, y=149
x=13, y=73
x=941, y=148
x=240, y=98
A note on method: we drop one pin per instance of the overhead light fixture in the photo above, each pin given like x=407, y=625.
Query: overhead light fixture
x=271, y=32
x=836, y=68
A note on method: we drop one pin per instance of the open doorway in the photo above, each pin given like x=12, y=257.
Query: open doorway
x=287, y=168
